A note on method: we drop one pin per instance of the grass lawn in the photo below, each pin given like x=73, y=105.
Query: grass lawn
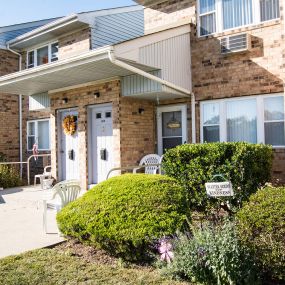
x=53, y=266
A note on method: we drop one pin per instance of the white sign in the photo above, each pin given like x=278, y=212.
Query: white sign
x=219, y=189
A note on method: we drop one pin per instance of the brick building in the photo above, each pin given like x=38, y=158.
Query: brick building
x=125, y=74
x=237, y=64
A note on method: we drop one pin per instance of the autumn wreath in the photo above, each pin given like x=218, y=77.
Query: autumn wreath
x=69, y=125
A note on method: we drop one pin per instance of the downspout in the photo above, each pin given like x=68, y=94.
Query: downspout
x=193, y=112
x=145, y=74
x=20, y=114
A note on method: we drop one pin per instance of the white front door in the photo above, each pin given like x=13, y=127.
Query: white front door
x=101, y=149
x=171, y=127
x=69, y=151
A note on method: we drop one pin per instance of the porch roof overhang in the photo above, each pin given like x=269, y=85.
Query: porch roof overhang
x=93, y=66
x=49, y=31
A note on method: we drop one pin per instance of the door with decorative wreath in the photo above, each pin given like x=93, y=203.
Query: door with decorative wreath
x=68, y=146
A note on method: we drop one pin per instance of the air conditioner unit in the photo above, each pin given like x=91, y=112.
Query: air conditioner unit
x=235, y=43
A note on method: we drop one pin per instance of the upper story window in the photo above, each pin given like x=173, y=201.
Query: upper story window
x=42, y=55
x=221, y=15
x=255, y=119
x=207, y=17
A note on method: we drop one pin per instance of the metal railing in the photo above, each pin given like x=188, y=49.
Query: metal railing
x=134, y=168
x=26, y=163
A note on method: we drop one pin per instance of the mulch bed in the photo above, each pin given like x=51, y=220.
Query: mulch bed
x=88, y=253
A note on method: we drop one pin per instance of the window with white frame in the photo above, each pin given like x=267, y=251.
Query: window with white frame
x=259, y=119
x=43, y=55
x=220, y=15
x=207, y=17
x=38, y=131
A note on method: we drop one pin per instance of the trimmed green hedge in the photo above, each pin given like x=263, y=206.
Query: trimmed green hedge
x=125, y=214
x=261, y=224
x=247, y=166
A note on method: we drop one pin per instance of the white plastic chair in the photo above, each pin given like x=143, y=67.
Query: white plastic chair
x=61, y=194
x=45, y=175
x=160, y=165
x=148, y=160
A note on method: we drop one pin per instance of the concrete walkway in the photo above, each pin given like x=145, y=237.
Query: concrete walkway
x=21, y=221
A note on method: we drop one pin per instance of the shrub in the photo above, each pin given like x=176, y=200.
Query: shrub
x=124, y=214
x=247, y=166
x=9, y=177
x=213, y=256
x=261, y=224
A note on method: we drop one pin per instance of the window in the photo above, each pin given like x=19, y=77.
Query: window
x=31, y=59
x=259, y=119
x=38, y=132
x=211, y=122
x=42, y=55
x=241, y=121
x=269, y=9
x=108, y=115
x=220, y=15
x=274, y=121
x=236, y=13
x=207, y=17
x=54, y=52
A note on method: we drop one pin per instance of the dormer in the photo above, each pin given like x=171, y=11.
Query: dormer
x=42, y=45
x=77, y=34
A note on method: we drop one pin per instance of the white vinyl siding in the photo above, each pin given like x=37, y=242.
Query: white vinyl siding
x=39, y=102
x=38, y=131
x=255, y=119
x=220, y=15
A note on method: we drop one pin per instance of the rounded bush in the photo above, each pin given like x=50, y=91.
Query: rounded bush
x=261, y=224
x=124, y=214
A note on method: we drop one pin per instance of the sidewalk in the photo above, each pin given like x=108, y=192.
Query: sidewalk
x=21, y=221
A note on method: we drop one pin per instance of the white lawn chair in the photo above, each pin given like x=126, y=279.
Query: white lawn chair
x=62, y=194
x=45, y=175
x=160, y=165
x=149, y=160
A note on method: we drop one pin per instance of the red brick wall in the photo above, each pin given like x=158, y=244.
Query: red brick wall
x=133, y=132
x=74, y=44
x=137, y=130
x=81, y=98
x=9, y=110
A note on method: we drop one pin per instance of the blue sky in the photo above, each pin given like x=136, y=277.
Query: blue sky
x=20, y=11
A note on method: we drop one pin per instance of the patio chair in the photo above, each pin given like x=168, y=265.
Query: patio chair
x=160, y=171
x=45, y=175
x=61, y=194
x=149, y=160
